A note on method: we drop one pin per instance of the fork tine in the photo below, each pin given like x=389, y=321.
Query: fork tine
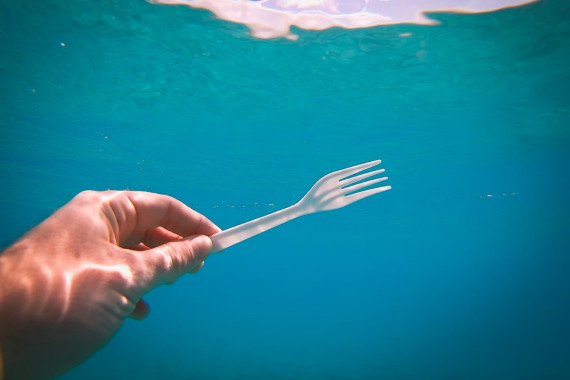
x=343, y=173
x=358, y=186
x=364, y=194
x=351, y=180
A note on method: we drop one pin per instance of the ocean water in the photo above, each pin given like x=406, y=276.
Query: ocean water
x=461, y=271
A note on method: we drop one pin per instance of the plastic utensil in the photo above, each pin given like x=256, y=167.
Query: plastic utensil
x=335, y=190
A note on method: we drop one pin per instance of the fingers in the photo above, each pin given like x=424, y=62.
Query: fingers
x=133, y=213
x=141, y=310
x=154, y=210
x=171, y=237
x=167, y=262
x=197, y=267
x=151, y=239
x=138, y=247
x=157, y=237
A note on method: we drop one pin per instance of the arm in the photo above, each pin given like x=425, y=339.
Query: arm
x=67, y=286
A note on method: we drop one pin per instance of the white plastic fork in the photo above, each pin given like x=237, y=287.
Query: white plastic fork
x=335, y=190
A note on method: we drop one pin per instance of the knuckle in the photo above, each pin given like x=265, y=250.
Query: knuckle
x=167, y=257
x=175, y=259
x=87, y=195
x=93, y=196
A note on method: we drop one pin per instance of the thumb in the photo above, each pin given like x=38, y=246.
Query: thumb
x=169, y=261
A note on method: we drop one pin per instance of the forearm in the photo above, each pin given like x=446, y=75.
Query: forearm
x=46, y=329
x=5, y=317
x=11, y=305
x=24, y=294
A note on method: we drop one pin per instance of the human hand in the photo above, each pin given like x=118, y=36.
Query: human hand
x=67, y=286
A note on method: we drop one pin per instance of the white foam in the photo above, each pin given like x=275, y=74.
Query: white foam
x=274, y=18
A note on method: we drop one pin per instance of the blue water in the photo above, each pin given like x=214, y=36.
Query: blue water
x=461, y=271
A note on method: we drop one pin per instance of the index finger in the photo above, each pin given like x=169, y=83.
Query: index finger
x=137, y=212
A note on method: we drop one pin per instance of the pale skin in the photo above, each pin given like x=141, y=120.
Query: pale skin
x=68, y=285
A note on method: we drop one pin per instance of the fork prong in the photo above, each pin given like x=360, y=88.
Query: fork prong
x=349, y=181
x=342, y=174
x=361, y=185
x=364, y=194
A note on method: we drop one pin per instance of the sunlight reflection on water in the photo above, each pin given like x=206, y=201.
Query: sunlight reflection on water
x=274, y=18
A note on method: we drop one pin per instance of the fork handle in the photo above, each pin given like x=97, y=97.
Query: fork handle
x=241, y=232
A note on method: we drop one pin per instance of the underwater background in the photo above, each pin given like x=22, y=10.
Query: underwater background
x=461, y=271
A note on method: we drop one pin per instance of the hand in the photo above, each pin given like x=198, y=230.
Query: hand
x=67, y=286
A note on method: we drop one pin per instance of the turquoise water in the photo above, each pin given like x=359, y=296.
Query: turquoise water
x=460, y=271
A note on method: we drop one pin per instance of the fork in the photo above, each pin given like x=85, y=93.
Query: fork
x=335, y=190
